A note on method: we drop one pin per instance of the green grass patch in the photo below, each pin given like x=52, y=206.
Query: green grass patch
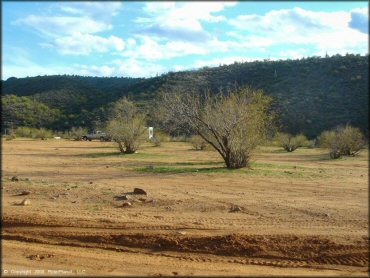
x=110, y=154
x=248, y=171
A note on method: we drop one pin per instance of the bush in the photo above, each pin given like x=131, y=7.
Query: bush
x=9, y=137
x=198, y=143
x=42, y=133
x=29, y=132
x=345, y=140
x=290, y=143
x=160, y=137
x=77, y=133
x=24, y=132
x=127, y=126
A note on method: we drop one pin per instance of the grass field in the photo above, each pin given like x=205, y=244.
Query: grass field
x=300, y=213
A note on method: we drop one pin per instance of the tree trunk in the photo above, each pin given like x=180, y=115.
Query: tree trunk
x=236, y=160
x=121, y=148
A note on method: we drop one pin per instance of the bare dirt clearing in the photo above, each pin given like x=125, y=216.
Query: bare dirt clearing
x=300, y=213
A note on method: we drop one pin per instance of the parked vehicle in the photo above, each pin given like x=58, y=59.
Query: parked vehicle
x=96, y=135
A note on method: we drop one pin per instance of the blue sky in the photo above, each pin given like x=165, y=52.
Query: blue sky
x=143, y=39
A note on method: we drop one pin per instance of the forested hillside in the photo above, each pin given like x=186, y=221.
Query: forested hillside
x=310, y=94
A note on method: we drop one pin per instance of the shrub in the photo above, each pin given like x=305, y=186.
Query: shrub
x=345, y=140
x=198, y=142
x=290, y=142
x=159, y=137
x=29, y=132
x=77, y=133
x=127, y=126
x=42, y=133
x=23, y=131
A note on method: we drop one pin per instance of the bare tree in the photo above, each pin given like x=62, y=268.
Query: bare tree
x=233, y=123
x=127, y=126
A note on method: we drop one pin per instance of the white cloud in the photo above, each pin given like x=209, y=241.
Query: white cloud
x=136, y=68
x=72, y=32
x=154, y=49
x=360, y=19
x=55, y=26
x=20, y=64
x=323, y=30
x=85, y=44
x=293, y=53
x=181, y=20
x=103, y=10
x=223, y=61
x=93, y=70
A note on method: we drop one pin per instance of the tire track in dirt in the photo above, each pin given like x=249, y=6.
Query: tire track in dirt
x=275, y=250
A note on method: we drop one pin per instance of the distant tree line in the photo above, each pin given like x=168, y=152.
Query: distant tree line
x=310, y=95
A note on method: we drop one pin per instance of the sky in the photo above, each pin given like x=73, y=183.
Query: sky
x=145, y=39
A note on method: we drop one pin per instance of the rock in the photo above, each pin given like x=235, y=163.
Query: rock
x=121, y=197
x=235, y=209
x=127, y=204
x=91, y=182
x=25, y=202
x=26, y=192
x=175, y=273
x=139, y=191
x=65, y=193
x=142, y=199
x=14, y=178
x=53, y=198
x=181, y=232
x=73, y=202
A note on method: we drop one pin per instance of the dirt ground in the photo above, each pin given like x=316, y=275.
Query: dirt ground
x=295, y=213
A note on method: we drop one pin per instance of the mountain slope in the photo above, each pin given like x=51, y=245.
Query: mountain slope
x=310, y=95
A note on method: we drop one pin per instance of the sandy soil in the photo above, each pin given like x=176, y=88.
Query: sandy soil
x=301, y=214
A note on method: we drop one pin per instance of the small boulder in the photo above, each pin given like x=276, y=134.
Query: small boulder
x=25, y=202
x=139, y=191
x=14, y=178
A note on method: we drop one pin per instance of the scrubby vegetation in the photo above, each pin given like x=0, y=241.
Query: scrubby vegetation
x=198, y=142
x=291, y=142
x=343, y=140
x=127, y=126
x=36, y=133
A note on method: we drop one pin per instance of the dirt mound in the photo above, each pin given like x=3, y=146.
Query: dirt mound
x=311, y=250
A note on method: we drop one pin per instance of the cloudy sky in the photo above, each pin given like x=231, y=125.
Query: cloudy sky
x=143, y=39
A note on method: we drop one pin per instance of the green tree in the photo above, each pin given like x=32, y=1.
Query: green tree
x=233, y=123
x=127, y=126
